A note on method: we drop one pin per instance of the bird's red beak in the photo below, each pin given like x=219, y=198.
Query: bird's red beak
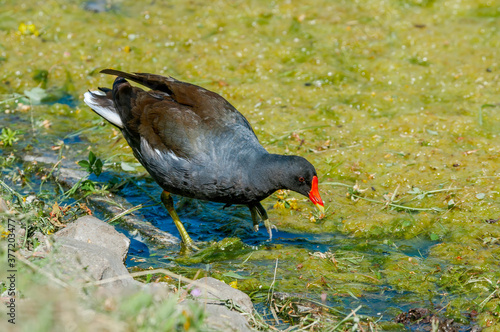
x=315, y=197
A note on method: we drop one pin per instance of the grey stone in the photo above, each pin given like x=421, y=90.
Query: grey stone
x=68, y=177
x=3, y=206
x=86, y=262
x=217, y=290
x=160, y=290
x=220, y=318
x=40, y=159
x=111, y=205
x=43, y=246
x=91, y=230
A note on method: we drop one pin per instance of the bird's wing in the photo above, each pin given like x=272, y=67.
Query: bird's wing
x=207, y=104
x=177, y=117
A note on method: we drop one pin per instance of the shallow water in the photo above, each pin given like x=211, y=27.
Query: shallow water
x=398, y=100
x=208, y=221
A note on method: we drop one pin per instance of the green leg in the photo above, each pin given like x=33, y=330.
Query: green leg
x=167, y=200
x=257, y=211
x=255, y=217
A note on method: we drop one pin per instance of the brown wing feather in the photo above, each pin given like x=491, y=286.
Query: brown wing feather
x=175, y=115
x=183, y=93
x=206, y=103
x=168, y=126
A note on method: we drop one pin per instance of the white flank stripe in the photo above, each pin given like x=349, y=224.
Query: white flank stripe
x=155, y=153
x=173, y=156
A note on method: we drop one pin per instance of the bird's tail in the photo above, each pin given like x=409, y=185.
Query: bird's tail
x=101, y=102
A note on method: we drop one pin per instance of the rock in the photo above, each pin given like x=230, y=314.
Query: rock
x=217, y=297
x=152, y=233
x=84, y=262
x=91, y=230
x=68, y=177
x=3, y=206
x=40, y=159
x=221, y=318
x=217, y=290
x=91, y=250
x=44, y=245
x=160, y=290
x=19, y=233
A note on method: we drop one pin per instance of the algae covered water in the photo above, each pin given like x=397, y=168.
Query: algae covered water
x=396, y=103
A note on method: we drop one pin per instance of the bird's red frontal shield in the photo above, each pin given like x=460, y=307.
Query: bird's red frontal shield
x=314, y=195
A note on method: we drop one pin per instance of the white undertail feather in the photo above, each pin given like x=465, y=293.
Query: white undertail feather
x=106, y=109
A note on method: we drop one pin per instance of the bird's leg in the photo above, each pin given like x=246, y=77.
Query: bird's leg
x=259, y=210
x=265, y=218
x=168, y=202
x=255, y=217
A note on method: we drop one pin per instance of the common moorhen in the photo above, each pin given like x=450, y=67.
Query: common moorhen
x=194, y=143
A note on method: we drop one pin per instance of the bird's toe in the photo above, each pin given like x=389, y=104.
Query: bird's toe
x=270, y=228
x=189, y=248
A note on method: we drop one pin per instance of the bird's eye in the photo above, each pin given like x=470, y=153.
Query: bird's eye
x=301, y=179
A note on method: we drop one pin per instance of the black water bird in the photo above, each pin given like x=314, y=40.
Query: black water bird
x=195, y=144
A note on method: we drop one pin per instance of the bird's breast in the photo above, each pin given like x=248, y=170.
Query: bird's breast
x=205, y=177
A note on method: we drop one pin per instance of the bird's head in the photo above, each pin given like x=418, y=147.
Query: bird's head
x=301, y=177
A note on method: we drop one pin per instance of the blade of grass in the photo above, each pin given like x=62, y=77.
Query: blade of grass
x=480, y=113
x=346, y=318
x=124, y=213
x=15, y=193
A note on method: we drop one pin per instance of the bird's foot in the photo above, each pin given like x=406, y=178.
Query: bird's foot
x=270, y=228
x=189, y=247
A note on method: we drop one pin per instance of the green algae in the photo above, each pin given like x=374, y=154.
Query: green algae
x=225, y=249
x=387, y=95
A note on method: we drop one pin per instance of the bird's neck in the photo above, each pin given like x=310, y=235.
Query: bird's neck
x=267, y=171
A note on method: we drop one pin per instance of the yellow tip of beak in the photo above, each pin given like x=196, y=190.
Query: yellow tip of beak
x=321, y=208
